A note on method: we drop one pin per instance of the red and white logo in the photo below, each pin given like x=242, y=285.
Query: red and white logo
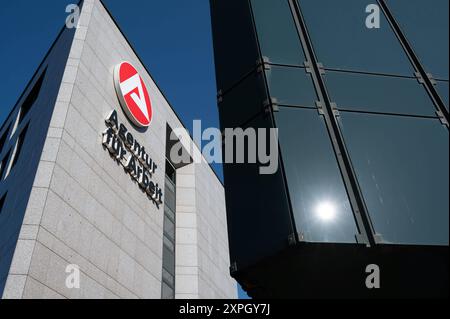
x=133, y=94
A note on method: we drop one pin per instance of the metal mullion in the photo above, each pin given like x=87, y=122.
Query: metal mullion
x=295, y=237
x=430, y=88
x=363, y=222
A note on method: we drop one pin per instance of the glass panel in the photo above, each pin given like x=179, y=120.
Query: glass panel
x=425, y=24
x=169, y=228
x=170, y=186
x=243, y=102
x=168, y=243
x=261, y=210
x=235, y=44
x=402, y=168
x=321, y=207
x=2, y=202
x=169, y=212
x=168, y=278
x=32, y=97
x=3, y=164
x=167, y=292
x=341, y=39
x=3, y=138
x=278, y=36
x=374, y=93
x=168, y=260
x=442, y=88
x=291, y=86
x=170, y=200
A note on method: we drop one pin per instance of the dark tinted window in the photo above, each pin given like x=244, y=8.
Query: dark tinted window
x=321, y=207
x=278, y=36
x=2, y=202
x=19, y=146
x=235, y=46
x=425, y=24
x=374, y=93
x=3, y=139
x=168, y=260
x=3, y=164
x=243, y=102
x=402, y=167
x=167, y=291
x=32, y=97
x=342, y=40
x=442, y=87
x=291, y=86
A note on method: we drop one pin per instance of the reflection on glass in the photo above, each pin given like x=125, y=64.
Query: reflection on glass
x=319, y=199
x=402, y=168
x=326, y=211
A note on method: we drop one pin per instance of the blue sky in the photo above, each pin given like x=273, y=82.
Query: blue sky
x=172, y=37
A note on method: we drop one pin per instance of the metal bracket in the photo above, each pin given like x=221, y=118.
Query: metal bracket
x=321, y=68
x=421, y=80
x=271, y=105
x=431, y=78
x=308, y=67
x=442, y=118
x=378, y=238
x=292, y=240
x=360, y=239
x=319, y=106
x=419, y=77
x=335, y=109
x=263, y=64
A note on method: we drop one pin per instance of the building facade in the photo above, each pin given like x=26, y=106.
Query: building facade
x=359, y=93
x=86, y=191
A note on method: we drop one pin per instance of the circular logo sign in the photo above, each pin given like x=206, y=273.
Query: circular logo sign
x=133, y=94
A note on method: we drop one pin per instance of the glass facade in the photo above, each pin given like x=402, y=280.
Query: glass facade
x=362, y=116
x=386, y=121
x=168, y=270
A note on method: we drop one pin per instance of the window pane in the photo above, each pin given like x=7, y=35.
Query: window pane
x=321, y=207
x=263, y=210
x=291, y=86
x=169, y=228
x=442, y=87
x=168, y=278
x=402, y=167
x=167, y=292
x=425, y=24
x=243, y=102
x=169, y=212
x=170, y=199
x=32, y=97
x=19, y=146
x=374, y=93
x=170, y=246
x=3, y=164
x=341, y=39
x=168, y=260
x=3, y=138
x=277, y=33
x=235, y=45
x=2, y=202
